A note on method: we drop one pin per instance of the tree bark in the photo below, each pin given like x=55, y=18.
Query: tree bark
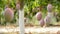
x=21, y=16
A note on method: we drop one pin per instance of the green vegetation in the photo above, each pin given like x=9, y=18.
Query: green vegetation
x=31, y=7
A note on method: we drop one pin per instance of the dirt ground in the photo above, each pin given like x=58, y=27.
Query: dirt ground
x=32, y=29
x=36, y=30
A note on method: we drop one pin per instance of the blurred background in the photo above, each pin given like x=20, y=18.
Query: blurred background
x=31, y=7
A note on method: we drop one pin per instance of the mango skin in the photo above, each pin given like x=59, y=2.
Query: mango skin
x=49, y=7
x=17, y=6
x=42, y=23
x=39, y=16
x=8, y=14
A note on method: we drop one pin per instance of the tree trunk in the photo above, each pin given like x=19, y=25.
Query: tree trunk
x=21, y=17
x=21, y=21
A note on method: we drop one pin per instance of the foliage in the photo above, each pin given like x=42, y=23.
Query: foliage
x=11, y=4
x=31, y=7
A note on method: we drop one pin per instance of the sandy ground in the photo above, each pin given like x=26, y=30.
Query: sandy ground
x=45, y=30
